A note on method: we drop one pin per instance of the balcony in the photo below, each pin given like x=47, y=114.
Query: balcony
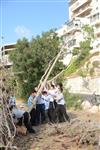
x=6, y=60
x=73, y=26
x=71, y=2
x=79, y=4
x=95, y=19
x=97, y=31
x=71, y=43
x=95, y=22
x=83, y=12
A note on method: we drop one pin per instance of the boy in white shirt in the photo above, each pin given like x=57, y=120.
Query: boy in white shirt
x=61, y=109
x=40, y=109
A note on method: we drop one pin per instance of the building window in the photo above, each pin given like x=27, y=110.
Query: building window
x=95, y=17
x=71, y=43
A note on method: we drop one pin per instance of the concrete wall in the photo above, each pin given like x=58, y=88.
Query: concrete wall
x=83, y=85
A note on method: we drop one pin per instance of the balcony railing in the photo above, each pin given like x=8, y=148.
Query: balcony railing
x=79, y=4
x=71, y=43
x=95, y=19
x=71, y=2
x=84, y=11
x=73, y=25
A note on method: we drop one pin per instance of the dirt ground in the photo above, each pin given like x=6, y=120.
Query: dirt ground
x=82, y=133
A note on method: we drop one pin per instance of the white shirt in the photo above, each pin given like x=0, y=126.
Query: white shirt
x=52, y=92
x=17, y=114
x=47, y=101
x=60, y=99
x=51, y=99
x=40, y=100
x=31, y=101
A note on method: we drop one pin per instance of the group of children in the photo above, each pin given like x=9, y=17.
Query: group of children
x=47, y=107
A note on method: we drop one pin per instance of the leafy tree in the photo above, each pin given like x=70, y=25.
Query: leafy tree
x=30, y=59
x=83, y=51
x=76, y=51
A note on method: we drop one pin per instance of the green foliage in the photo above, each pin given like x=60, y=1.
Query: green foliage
x=72, y=100
x=83, y=51
x=82, y=73
x=96, y=64
x=91, y=71
x=72, y=68
x=30, y=60
x=88, y=31
x=76, y=51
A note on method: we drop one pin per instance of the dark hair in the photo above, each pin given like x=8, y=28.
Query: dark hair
x=61, y=86
x=52, y=85
x=44, y=92
x=34, y=91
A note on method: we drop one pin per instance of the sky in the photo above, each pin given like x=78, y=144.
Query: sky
x=28, y=18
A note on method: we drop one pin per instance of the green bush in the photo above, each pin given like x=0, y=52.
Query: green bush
x=72, y=100
x=96, y=64
x=76, y=51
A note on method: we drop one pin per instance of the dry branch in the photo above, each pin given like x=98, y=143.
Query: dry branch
x=7, y=127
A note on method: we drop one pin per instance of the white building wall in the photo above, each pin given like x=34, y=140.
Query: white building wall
x=95, y=6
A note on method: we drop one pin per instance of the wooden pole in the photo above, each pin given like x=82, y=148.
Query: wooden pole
x=46, y=77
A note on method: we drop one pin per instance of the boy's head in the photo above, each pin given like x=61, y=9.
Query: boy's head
x=45, y=92
x=60, y=86
x=52, y=86
x=34, y=93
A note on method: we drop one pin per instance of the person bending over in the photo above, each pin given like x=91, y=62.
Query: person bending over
x=21, y=117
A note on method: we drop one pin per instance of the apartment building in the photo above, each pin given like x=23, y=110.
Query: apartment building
x=72, y=36
x=89, y=9
x=81, y=12
x=83, y=8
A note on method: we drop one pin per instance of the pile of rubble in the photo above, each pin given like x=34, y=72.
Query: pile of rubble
x=87, y=106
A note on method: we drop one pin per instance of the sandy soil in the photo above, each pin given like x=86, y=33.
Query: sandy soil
x=81, y=134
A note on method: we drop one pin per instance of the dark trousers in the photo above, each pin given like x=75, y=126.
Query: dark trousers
x=33, y=116
x=55, y=103
x=26, y=121
x=51, y=112
x=46, y=116
x=40, y=113
x=62, y=114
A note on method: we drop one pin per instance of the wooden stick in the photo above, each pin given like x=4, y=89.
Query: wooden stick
x=47, y=75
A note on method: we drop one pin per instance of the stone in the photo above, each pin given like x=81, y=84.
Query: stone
x=21, y=130
x=94, y=109
x=86, y=105
x=99, y=108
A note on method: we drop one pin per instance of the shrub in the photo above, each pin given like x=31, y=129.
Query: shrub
x=72, y=100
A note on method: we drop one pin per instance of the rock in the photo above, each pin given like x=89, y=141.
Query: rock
x=94, y=109
x=21, y=130
x=99, y=108
x=86, y=105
